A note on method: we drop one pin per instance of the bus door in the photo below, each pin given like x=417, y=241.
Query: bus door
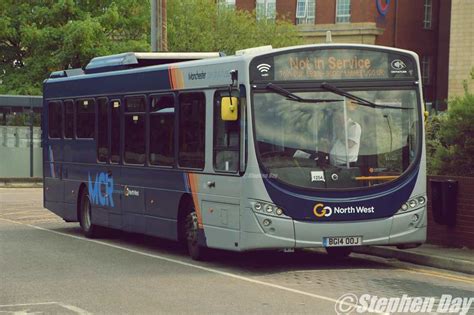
x=53, y=156
x=221, y=198
x=134, y=173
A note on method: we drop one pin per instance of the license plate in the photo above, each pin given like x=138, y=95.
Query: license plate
x=335, y=241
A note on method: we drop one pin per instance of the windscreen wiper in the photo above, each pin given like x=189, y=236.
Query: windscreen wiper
x=293, y=97
x=357, y=99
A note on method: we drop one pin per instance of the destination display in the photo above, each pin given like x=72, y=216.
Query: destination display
x=333, y=64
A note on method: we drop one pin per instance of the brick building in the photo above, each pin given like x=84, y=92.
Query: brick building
x=423, y=26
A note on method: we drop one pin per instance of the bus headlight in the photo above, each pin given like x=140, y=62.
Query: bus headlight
x=421, y=200
x=267, y=209
x=412, y=204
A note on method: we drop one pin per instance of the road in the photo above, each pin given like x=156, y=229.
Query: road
x=48, y=267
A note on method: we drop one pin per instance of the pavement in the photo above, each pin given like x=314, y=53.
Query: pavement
x=455, y=259
x=11, y=182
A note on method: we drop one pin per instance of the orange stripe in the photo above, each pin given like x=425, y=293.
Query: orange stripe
x=194, y=184
x=170, y=75
x=173, y=78
x=179, y=79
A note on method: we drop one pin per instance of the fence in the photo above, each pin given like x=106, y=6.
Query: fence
x=20, y=136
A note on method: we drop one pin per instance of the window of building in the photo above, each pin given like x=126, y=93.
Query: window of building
x=266, y=10
x=115, y=122
x=85, y=118
x=69, y=119
x=162, y=114
x=102, y=130
x=55, y=119
x=305, y=11
x=428, y=14
x=134, y=130
x=343, y=11
x=192, y=116
x=226, y=139
x=425, y=69
x=226, y=4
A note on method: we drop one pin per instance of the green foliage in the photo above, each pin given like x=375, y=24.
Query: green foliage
x=41, y=36
x=38, y=37
x=450, y=139
x=199, y=25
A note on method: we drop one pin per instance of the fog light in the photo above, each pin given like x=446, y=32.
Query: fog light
x=412, y=203
x=421, y=200
x=267, y=222
x=269, y=209
x=258, y=206
x=279, y=211
x=415, y=218
x=404, y=207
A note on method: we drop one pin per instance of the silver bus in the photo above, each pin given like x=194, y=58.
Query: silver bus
x=299, y=147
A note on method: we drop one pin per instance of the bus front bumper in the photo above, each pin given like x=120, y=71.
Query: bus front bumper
x=405, y=228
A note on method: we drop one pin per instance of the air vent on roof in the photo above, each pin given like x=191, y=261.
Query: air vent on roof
x=135, y=60
x=66, y=73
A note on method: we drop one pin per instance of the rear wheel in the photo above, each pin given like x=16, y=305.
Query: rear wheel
x=196, y=251
x=85, y=217
x=339, y=252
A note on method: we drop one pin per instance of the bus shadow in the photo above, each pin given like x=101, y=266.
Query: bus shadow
x=260, y=262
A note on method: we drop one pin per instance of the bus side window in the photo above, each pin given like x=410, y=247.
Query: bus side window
x=192, y=130
x=85, y=119
x=115, y=131
x=162, y=117
x=226, y=139
x=102, y=130
x=134, y=118
x=69, y=119
x=55, y=119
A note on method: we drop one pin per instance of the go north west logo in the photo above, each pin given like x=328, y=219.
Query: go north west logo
x=96, y=194
x=320, y=210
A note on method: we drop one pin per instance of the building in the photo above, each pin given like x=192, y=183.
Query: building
x=435, y=29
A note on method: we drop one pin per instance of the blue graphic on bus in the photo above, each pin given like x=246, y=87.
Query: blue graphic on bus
x=95, y=192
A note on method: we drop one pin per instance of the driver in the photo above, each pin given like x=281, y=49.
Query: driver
x=338, y=155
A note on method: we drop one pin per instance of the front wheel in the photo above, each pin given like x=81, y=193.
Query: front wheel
x=196, y=251
x=85, y=217
x=339, y=252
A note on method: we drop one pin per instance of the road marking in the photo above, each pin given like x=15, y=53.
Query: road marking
x=468, y=280
x=76, y=309
x=179, y=262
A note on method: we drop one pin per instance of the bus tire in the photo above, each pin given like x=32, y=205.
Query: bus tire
x=85, y=217
x=339, y=252
x=196, y=251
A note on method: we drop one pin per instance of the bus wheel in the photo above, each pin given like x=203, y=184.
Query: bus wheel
x=85, y=217
x=196, y=251
x=339, y=252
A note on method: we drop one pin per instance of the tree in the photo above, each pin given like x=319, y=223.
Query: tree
x=38, y=37
x=41, y=36
x=450, y=138
x=200, y=25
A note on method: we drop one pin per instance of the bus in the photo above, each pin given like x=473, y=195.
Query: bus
x=313, y=146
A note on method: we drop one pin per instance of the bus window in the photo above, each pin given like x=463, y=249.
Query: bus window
x=192, y=111
x=134, y=150
x=226, y=139
x=85, y=118
x=102, y=131
x=55, y=119
x=162, y=130
x=115, y=131
x=69, y=119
